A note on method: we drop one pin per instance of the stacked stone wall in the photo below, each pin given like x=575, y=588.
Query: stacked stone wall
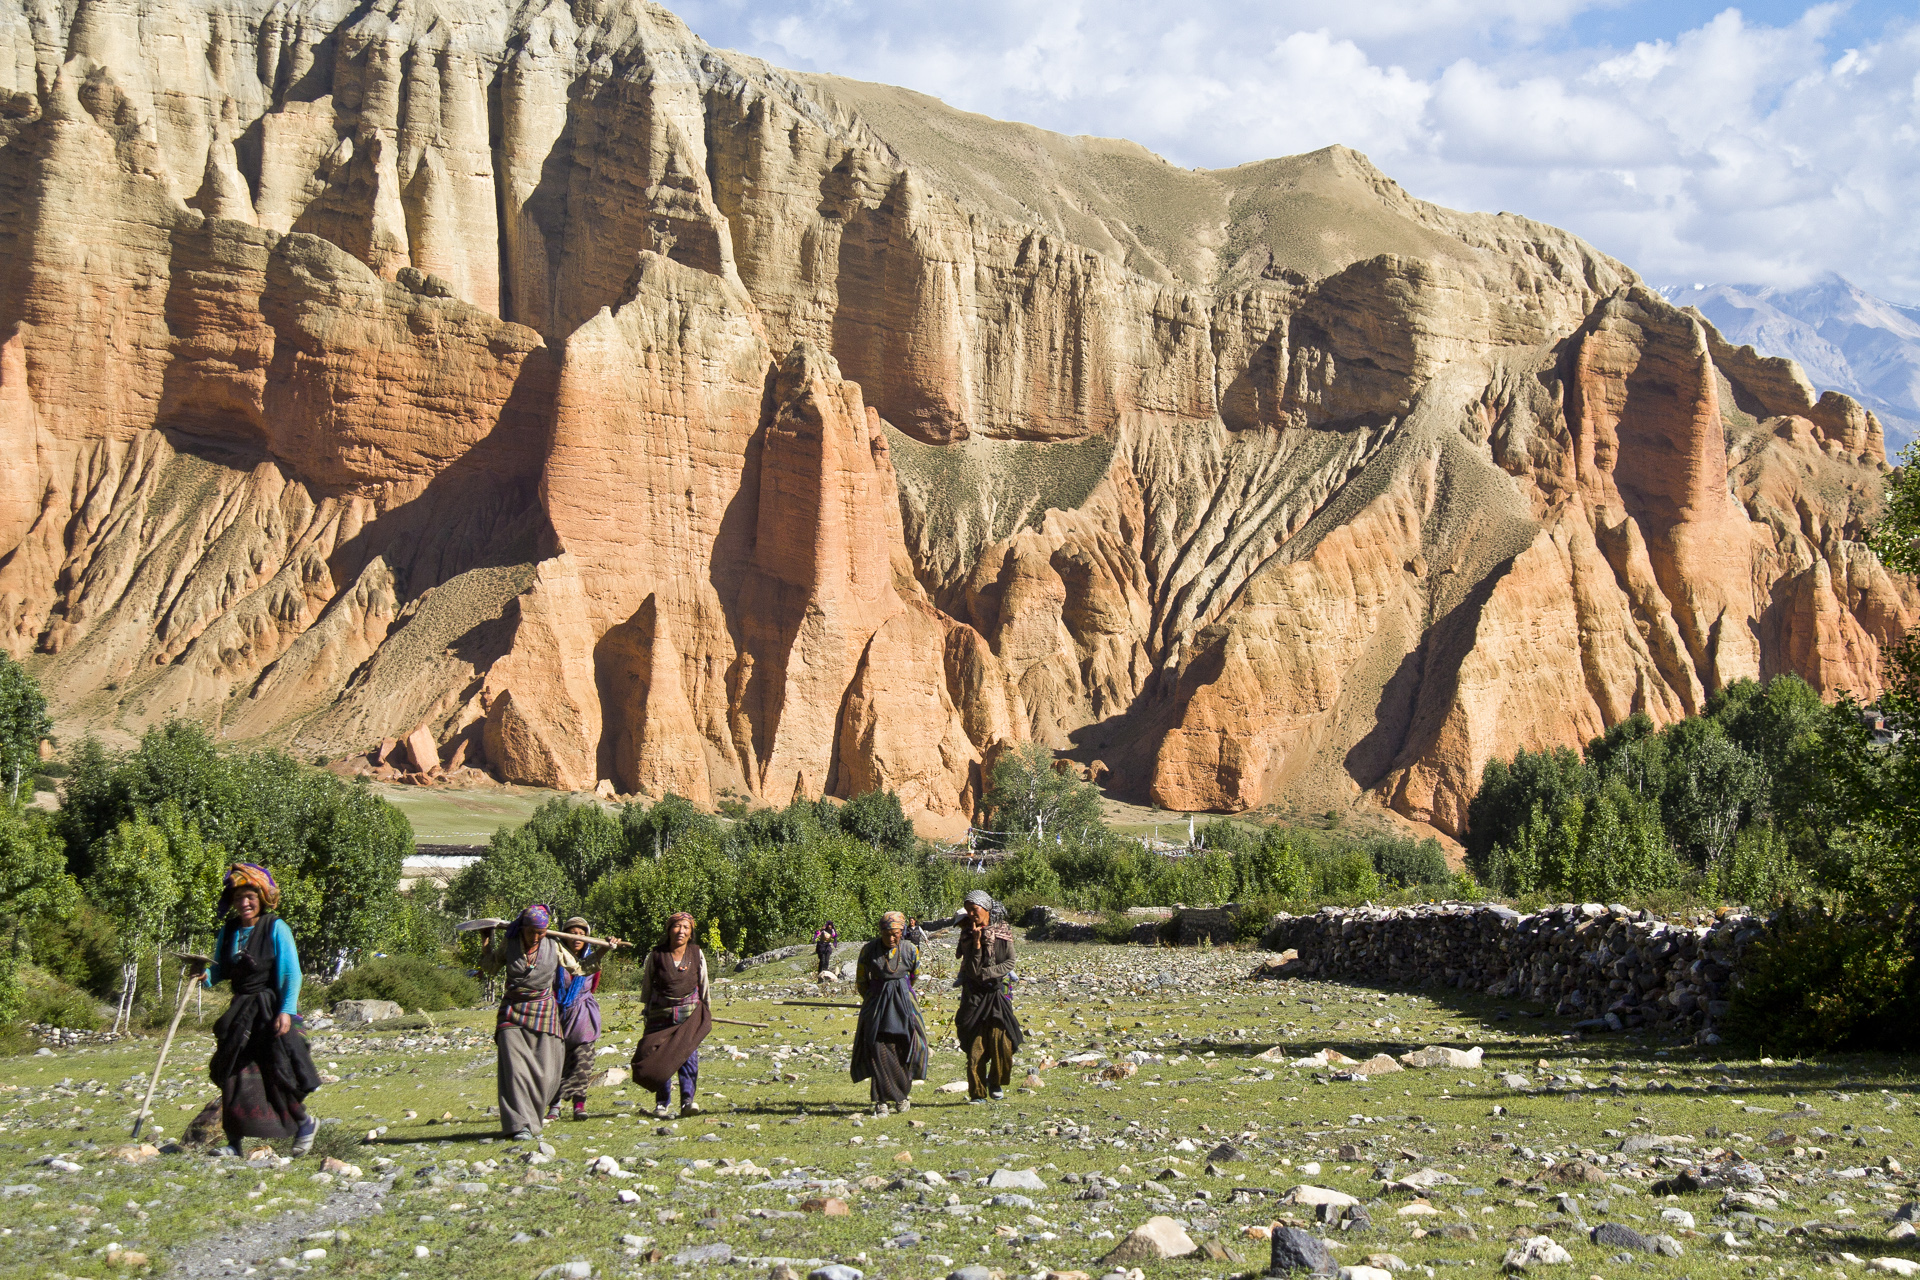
x=1609, y=965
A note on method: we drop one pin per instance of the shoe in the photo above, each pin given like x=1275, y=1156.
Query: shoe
x=553, y=1113
x=974, y=1102
x=521, y=1135
x=689, y=1109
x=228, y=1152
x=579, y=1111
x=998, y=1095
x=303, y=1137
x=906, y=1104
x=881, y=1111
x=661, y=1112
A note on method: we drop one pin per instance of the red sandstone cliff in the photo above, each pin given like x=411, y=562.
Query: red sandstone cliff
x=624, y=409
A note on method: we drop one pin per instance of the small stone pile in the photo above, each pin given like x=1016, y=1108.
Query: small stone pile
x=68, y=1037
x=1614, y=967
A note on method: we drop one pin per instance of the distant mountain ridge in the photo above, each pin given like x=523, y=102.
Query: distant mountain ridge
x=1845, y=338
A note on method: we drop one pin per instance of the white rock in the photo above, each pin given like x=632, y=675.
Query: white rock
x=1310, y=1168
x=421, y=1251
x=1017, y=1180
x=1157, y=1237
x=1435, y=1055
x=312, y=1255
x=1678, y=1217
x=1902, y=1231
x=955, y=1086
x=1895, y=1266
x=629, y=1197
x=1536, y=1251
x=1418, y=1209
x=1365, y=1273
x=1307, y=1193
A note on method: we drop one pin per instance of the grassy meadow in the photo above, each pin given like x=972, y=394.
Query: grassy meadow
x=784, y=1126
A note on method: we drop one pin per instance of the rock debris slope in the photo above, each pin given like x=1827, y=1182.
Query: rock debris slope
x=626, y=409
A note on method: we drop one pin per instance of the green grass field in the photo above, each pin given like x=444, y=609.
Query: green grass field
x=447, y=815
x=785, y=1125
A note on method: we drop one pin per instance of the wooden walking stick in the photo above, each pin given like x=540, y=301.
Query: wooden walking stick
x=187, y=986
x=735, y=1022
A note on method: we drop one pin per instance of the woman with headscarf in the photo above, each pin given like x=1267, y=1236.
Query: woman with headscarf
x=579, y=1018
x=890, y=1040
x=676, y=994
x=260, y=1060
x=989, y=1033
x=527, y=1032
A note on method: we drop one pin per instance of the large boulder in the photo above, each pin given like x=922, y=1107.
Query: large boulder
x=360, y=1012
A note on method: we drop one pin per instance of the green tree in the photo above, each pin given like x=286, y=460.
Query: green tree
x=23, y=723
x=35, y=889
x=133, y=882
x=1028, y=796
x=334, y=847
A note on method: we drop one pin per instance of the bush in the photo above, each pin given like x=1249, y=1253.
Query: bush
x=1025, y=879
x=55, y=1003
x=77, y=947
x=1343, y=875
x=1822, y=979
x=411, y=982
x=1409, y=864
x=1760, y=870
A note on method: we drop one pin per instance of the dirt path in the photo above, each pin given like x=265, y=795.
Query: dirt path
x=256, y=1245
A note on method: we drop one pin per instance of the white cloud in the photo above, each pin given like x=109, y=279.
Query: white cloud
x=1732, y=150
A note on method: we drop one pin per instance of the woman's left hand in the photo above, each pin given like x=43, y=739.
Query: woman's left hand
x=283, y=1024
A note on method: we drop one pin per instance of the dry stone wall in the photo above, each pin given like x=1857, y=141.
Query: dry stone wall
x=1612, y=966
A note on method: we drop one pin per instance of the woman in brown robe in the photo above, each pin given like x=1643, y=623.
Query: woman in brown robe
x=527, y=1032
x=989, y=1033
x=677, y=997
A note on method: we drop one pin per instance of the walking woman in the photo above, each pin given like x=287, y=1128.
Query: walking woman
x=579, y=1019
x=989, y=1033
x=260, y=1060
x=825, y=939
x=676, y=994
x=527, y=1032
x=890, y=1040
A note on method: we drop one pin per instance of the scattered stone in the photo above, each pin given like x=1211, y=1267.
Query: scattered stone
x=1895, y=1266
x=828, y=1206
x=1679, y=1218
x=1016, y=1179
x=1536, y=1251
x=1011, y=1201
x=1297, y=1250
x=1155, y=1239
x=955, y=1086
x=1614, y=1235
x=1440, y=1056
x=718, y=1253
x=132, y=1153
x=359, y=1012
x=1308, y=1194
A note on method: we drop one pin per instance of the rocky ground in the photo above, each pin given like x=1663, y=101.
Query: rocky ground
x=1164, y=1085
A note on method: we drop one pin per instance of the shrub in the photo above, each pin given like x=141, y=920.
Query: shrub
x=411, y=982
x=1273, y=869
x=1343, y=875
x=55, y=1003
x=1826, y=979
x=1760, y=870
x=1409, y=864
x=76, y=946
x=1025, y=878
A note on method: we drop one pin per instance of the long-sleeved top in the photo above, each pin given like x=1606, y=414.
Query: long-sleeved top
x=286, y=963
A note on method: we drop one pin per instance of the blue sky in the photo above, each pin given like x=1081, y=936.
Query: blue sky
x=1764, y=143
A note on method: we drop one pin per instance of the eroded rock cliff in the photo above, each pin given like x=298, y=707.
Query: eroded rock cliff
x=624, y=409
